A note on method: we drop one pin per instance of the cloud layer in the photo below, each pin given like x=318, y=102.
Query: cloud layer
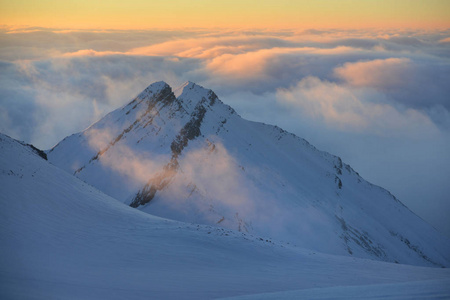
x=380, y=99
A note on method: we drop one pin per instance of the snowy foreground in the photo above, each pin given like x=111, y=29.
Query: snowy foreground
x=431, y=289
x=63, y=239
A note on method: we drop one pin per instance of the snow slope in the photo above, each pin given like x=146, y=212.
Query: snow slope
x=186, y=156
x=431, y=289
x=60, y=238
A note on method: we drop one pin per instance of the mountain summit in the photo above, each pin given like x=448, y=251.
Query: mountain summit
x=185, y=155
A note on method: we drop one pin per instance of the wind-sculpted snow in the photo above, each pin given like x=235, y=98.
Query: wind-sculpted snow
x=185, y=155
x=61, y=238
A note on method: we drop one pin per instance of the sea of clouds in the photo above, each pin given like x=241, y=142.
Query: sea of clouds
x=380, y=99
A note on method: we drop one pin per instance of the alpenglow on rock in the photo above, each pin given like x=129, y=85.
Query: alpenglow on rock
x=185, y=155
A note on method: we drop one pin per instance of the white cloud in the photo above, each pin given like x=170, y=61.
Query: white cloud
x=379, y=73
x=352, y=109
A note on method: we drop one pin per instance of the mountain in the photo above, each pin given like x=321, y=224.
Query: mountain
x=61, y=238
x=184, y=155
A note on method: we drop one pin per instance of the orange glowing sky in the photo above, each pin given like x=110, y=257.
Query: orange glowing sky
x=144, y=14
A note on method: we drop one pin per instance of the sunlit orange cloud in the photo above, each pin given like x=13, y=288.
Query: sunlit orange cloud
x=237, y=57
x=446, y=40
x=199, y=47
x=232, y=56
x=379, y=73
x=252, y=64
x=90, y=52
x=215, y=46
x=140, y=14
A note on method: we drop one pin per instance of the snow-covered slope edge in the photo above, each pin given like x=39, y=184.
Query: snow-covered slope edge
x=63, y=239
x=429, y=290
x=185, y=155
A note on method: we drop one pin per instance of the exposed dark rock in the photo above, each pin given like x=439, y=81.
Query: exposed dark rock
x=338, y=166
x=363, y=240
x=189, y=132
x=144, y=196
x=339, y=182
x=157, y=183
x=79, y=170
x=39, y=152
x=413, y=247
x=212, y=98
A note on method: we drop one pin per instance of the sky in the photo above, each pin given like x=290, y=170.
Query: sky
x=364, y=80
x=144, y=14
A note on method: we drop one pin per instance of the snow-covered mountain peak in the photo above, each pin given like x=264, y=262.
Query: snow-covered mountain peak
x=177, y=91
x=190, y=95
x=157, y=94
x=188, y=98
x=185, y=155
x=154, y=88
